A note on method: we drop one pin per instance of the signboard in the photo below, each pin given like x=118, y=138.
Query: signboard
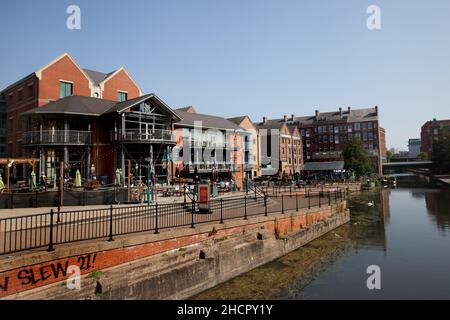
x=203, y=198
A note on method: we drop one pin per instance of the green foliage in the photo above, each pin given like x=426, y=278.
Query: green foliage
x=389, y=156
x=441, y=156
x=423, y=156
x=277, y=234
x=357, y=158
x=96, y=275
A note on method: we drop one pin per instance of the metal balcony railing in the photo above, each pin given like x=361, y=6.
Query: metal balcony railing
x=57, y=137
x=137, y=135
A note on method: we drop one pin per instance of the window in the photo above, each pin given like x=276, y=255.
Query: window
x=357, y=126
x=122, y=96
x=370, y=125
x=20, y=95
x=65, y=89
x=30, y=91
x=364, y=126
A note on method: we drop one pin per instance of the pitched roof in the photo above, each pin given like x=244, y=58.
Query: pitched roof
x=75, y=105
x=208, y=121
x=188, y=109
x=271, y=124
x=352, y=115
x=97, y=77
x=122, y=106
x=88, y=106
x=238, y=120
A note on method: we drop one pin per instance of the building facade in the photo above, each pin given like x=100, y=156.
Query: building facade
x=324, y=135
x=414, y=146
x=60, y=78
x=288, y=144
x=251, y=147
x=97, y=137
x=208, y=147
x=431, y=131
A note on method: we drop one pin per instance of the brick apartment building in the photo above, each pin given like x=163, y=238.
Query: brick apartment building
x=60, y=78
x=433, y=131
x=290, y=146
x=324, y=134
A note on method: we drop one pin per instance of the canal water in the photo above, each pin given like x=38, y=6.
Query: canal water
x=406, y=233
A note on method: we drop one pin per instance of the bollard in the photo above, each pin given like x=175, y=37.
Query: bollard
x=282, y=203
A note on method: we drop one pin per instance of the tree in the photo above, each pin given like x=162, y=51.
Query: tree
x=441, y=156
x=423, y=156
x=389, y=156
x=356, y=158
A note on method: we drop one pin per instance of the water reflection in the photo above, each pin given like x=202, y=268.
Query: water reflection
x=438, y=206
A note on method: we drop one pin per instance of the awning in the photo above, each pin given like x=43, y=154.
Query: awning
x=323, y=166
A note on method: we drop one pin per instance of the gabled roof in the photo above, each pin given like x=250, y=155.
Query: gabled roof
x=75, y=105
x=123, y=106
x=208, y=121
x=238, y=120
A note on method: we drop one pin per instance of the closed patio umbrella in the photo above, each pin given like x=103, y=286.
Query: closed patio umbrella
x=33, y=181
x=78, y=179
x=117, y=178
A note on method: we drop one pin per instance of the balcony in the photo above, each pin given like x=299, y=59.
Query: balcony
x=57, y=137
x=209, y=167
x=141, y=136
x=211, y=144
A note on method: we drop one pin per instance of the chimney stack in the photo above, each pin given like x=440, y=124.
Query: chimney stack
x=292, y=117
x=376, y=110
x=317, y=115
x=340, y=111
x=264, y=120
x=349, y=109
x=285, y=118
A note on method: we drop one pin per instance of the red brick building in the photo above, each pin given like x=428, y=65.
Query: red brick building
x=432, y=131
x=60, y=78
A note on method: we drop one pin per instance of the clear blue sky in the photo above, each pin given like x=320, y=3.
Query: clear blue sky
x=252, y=57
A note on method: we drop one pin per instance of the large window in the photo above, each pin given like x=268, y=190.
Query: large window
x=122, y=96
x=65, y=89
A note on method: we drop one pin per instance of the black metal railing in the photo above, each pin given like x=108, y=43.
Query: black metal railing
x=59, y=227
x=57, y=137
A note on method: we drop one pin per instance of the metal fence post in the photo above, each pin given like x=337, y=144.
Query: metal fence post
x=50, y=243
x=156, y=218
x=245, y=208
x=58, y=219
x=265, y=205
x=320, y=203
x=309, y=200
x=192, y=214
x=110, y=238
x=296, y=202
x=221, y=210
x=329, y=198
x=282, y=203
